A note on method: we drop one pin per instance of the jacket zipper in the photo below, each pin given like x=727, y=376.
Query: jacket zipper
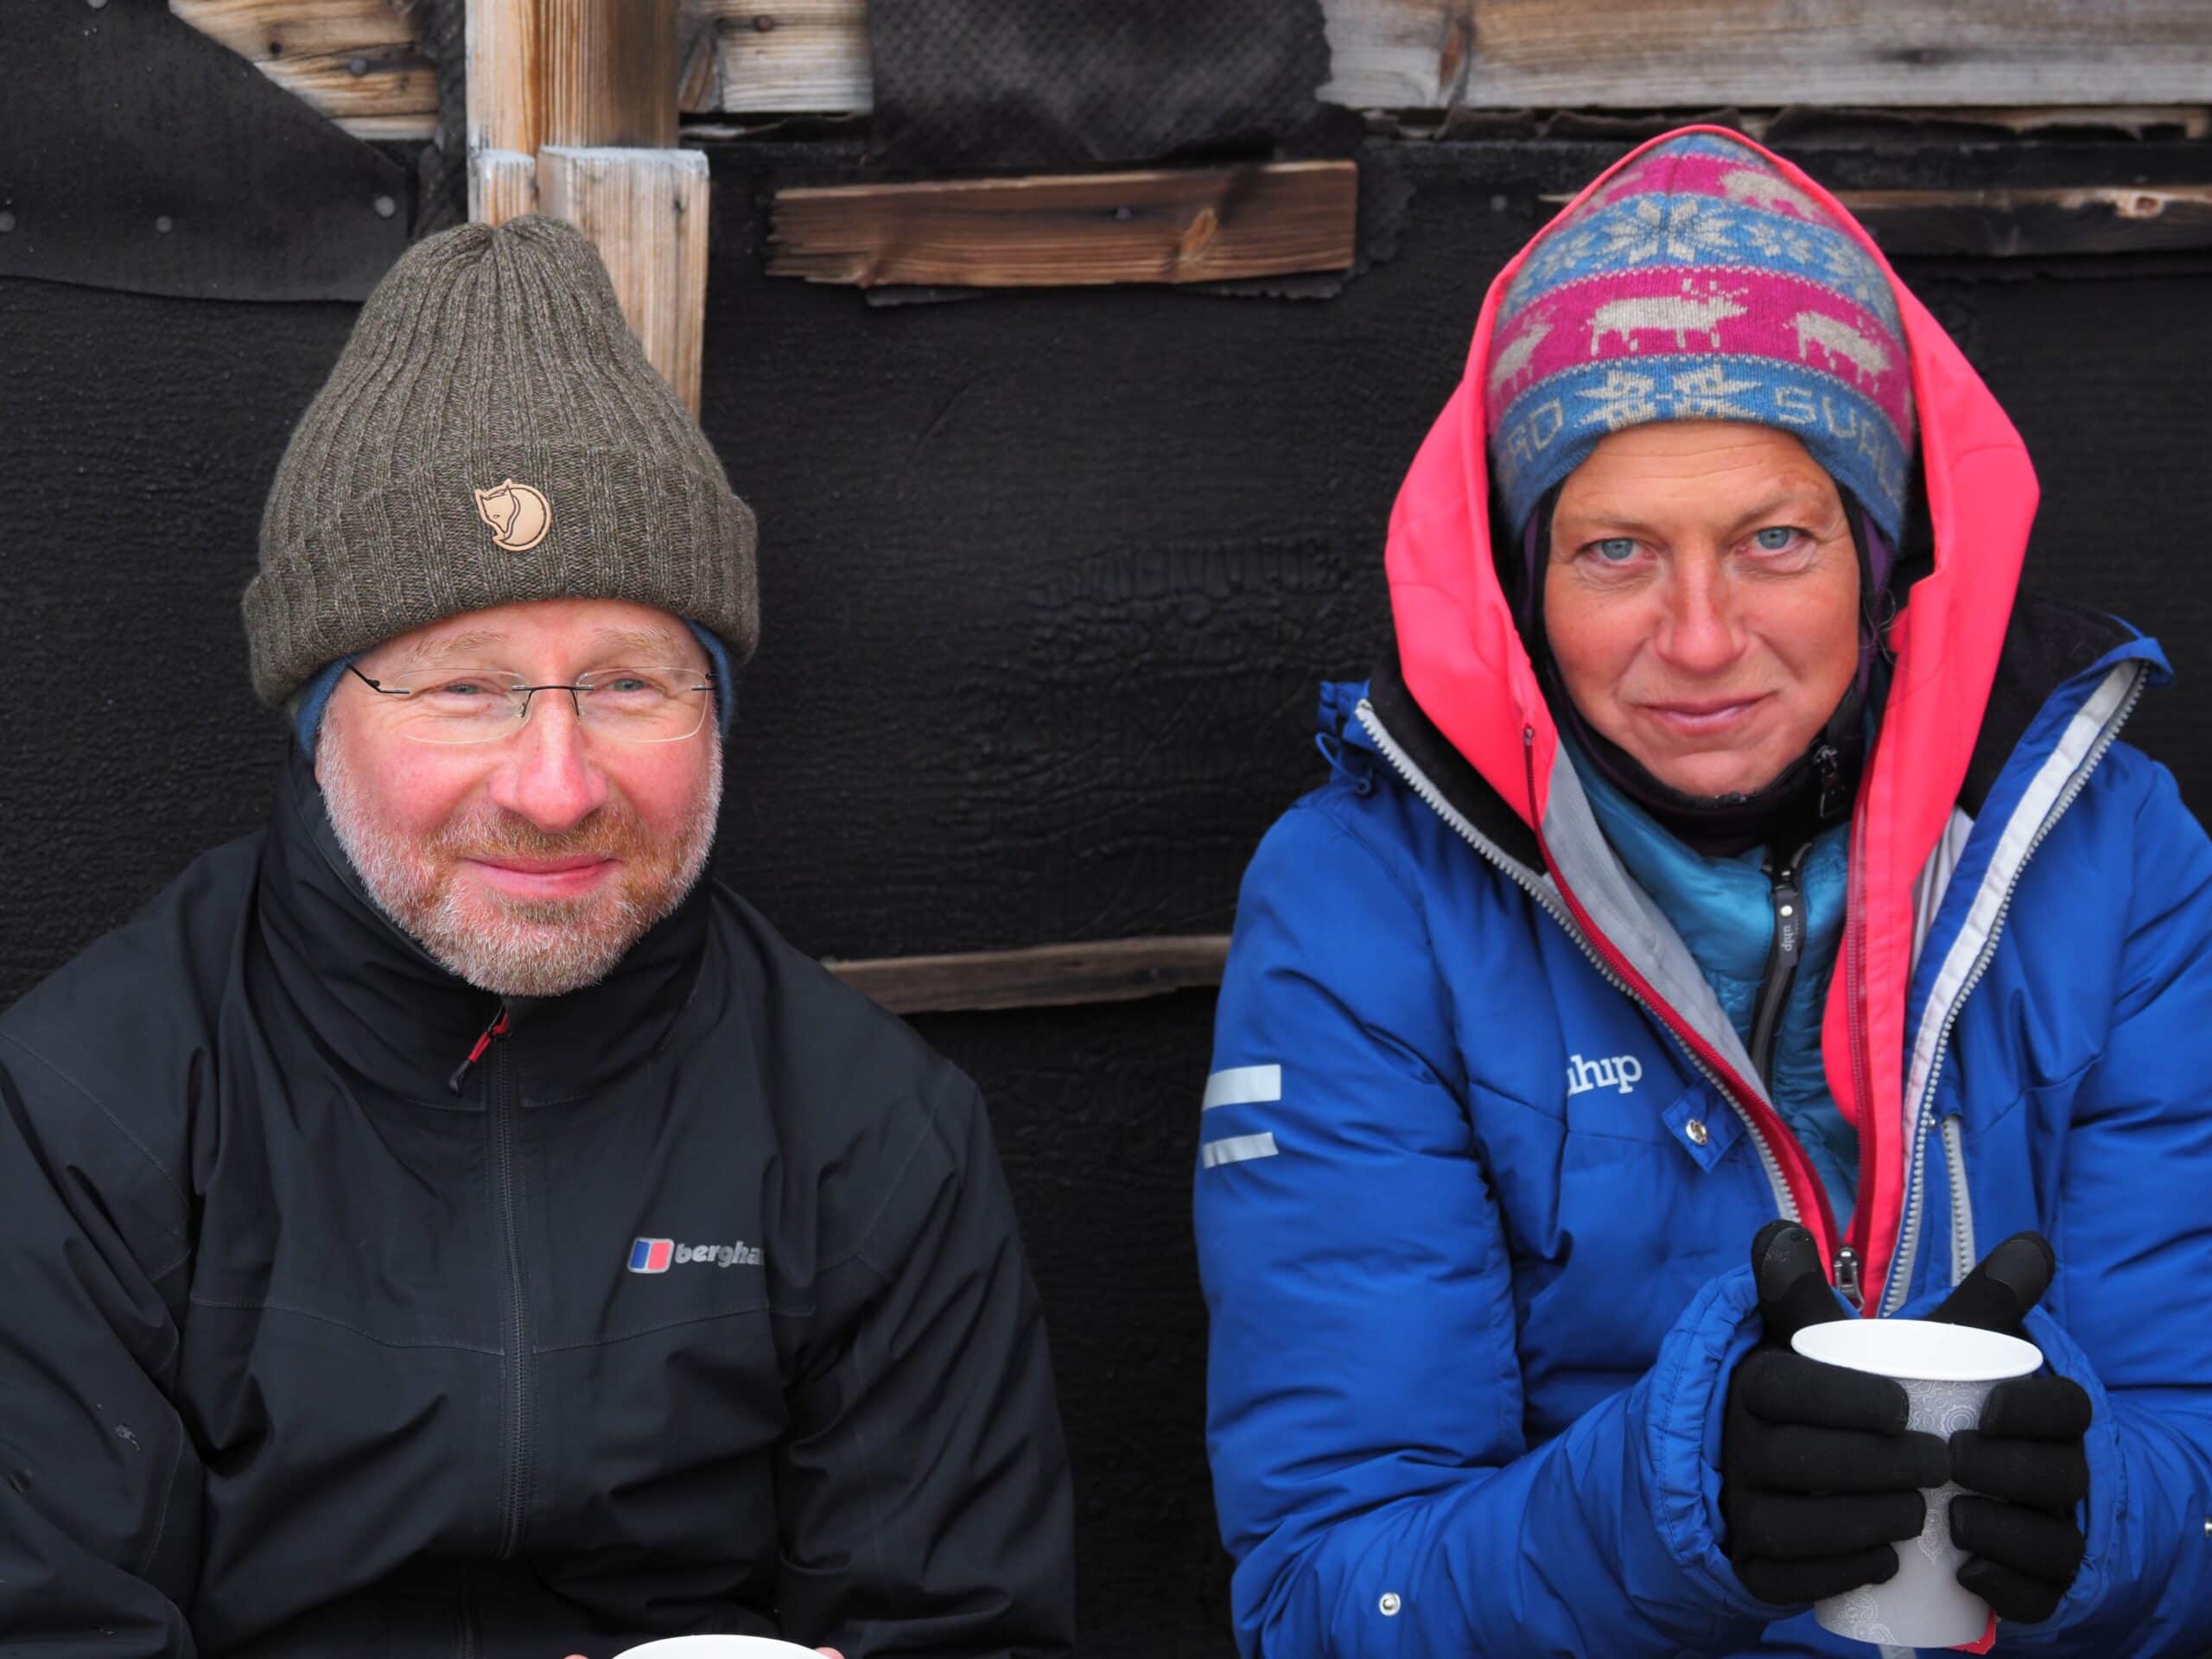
x=1781, y=957
x=1553, y=903
x=506, y=1127
x=1915, y=1197
x=497, y=1029
x=1963, y=1255
x=1854, y=1000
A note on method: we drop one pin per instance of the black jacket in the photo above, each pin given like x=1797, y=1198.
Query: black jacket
x=304, y=1352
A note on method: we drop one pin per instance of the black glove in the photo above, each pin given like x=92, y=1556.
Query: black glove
x=2028, y=1457
x=1819, y=1476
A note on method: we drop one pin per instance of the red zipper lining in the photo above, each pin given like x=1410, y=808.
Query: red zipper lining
x=1795, y=1170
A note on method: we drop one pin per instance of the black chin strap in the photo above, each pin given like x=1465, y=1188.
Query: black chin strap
x=1812, y=793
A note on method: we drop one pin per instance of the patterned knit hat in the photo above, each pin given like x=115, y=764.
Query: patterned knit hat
x=1700, y=285
x=491, y=433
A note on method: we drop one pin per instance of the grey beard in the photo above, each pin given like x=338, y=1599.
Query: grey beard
x=534, y=950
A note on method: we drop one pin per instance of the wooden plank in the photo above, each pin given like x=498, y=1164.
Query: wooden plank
x=646, y=210
x=780, y=57
x=1709, y=53
x=358, y=61
x=1160, y=225
x=502, y=185
x=575, y=72
x=2007, y=224
x=1043, y=976
x=2114, y=218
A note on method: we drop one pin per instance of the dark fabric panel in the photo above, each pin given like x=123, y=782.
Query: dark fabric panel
x=137, y=153
x=1095, y=1111
x=1007, y=83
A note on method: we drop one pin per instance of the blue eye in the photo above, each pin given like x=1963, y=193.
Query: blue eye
x=1615, y=550
x=1775, y=538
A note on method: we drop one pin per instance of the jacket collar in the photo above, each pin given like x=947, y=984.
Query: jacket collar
x=381, y=1007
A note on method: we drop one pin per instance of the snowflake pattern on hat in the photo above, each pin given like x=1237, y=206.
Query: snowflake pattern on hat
x=1701, y=284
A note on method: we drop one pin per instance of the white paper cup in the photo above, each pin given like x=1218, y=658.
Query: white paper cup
x=717, y=1647
x=1946, y=1371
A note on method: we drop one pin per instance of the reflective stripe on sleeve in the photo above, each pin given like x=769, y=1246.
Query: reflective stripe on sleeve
x=1236, y=1149
x=1244, y=1085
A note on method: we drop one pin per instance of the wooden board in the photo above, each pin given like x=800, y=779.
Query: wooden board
x=502, y=185
x=645, y=211
x=1043, y=976
x=2114, y=218
x=1710, y=54
x=2007, y=224
x=785, y=56
x=1160, y=225
x=358, y=61
x=355, y=59
x=571, y=72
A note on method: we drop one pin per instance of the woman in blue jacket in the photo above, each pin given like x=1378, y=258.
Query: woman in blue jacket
x=1724, y=848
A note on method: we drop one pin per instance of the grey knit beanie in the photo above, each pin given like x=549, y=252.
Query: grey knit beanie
x=491, y=433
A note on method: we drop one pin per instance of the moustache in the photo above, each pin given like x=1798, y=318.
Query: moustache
x=607, y=832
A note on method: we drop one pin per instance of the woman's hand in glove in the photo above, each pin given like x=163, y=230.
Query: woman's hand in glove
x=1819, y=1476
x=2028, y=1461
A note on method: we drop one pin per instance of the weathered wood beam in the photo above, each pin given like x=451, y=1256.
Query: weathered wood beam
x=1043, y=976
x=571, y=72
x=572, y=111
x=645, y=211
x=779, y=57
x=358, y=60
x=1758, y=54
x=1163, y=225
x=502, y=185
x=2004, y=223
x=2110, y=219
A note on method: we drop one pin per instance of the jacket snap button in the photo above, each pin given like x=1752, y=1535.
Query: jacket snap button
x=1696, y=1130
x=1390, y=1603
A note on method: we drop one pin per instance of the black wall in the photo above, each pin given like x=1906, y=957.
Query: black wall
x=1049, y=580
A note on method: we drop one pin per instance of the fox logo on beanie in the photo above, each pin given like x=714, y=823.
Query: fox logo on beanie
x=492, y=351
x=519, y=516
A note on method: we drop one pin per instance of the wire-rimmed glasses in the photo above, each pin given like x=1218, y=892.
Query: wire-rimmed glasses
x=479, y=705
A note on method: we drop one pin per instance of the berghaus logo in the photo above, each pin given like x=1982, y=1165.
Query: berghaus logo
x=659, y=1255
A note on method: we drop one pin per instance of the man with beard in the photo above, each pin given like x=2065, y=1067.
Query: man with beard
x=440, y=1222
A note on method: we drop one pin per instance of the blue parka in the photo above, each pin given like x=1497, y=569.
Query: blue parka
x=1481, y=1155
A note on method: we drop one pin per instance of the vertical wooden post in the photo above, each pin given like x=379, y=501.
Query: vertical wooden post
x=572, y=111
x=646, y=210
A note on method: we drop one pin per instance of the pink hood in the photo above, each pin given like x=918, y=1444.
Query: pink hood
x=1465, y=664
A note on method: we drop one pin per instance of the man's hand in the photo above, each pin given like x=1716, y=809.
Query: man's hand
x=2029, y=1459
x=1819, y=1476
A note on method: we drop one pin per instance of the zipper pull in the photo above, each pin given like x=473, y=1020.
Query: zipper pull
x=1828, y=761
x=497, y=1029
x=1846, y=1275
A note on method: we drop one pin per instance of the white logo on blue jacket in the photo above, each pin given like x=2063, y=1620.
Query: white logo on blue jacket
x=1621, y=1072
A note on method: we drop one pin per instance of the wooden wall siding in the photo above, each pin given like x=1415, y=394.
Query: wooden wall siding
x=1186, y=225
x=355, y=59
